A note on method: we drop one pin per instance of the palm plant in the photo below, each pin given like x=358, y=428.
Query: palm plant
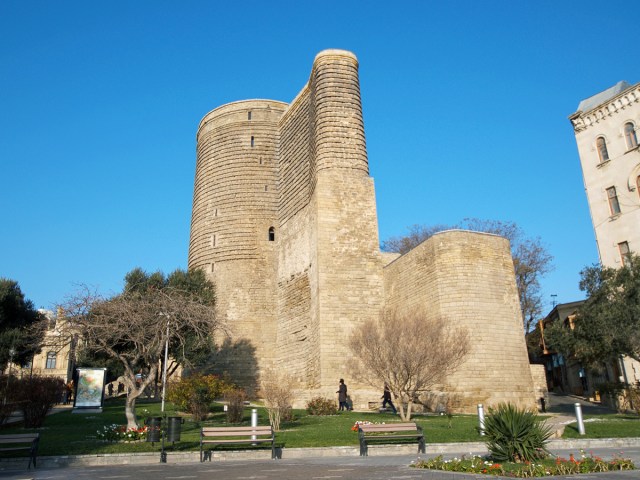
x=515, y=435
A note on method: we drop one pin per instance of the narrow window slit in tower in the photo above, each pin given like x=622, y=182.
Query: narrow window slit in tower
x=213, y=240
x=249, y=115
x=272, y=234
x=252, y=141
x=266, y=187
x=213, y=265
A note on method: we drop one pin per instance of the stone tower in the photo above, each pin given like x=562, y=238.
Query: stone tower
x=284, y=222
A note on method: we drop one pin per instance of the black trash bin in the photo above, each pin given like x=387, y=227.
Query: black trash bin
x=174, y=427
x=154, y=429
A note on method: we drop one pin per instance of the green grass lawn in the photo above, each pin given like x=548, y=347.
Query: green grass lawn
x=606, y=426
x=69, y=434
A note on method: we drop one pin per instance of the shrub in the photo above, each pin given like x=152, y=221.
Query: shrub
x=36, y=396
x=7, y=393
x=277, y=392
x=321, y=406
x=194, y=394
x=625, y=397
x=515, y=435
x=235, y=405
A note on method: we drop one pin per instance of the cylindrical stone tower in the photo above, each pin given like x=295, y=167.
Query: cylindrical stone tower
x=234, y=224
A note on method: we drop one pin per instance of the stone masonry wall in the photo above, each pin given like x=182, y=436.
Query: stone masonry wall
x=468, y=278
x=350, y=288
x=298, y=344
x=235, y=204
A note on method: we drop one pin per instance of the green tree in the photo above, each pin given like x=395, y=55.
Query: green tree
x=191, y=350
x=21, y=325
x=531, y=260
x=134, y=326
x=607, y=325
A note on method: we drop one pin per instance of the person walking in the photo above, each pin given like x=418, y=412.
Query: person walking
x=386, y=398
x=342, y=395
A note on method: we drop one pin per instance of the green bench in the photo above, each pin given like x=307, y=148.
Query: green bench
x=382, y=433
x=237, y=435
x=21, y=441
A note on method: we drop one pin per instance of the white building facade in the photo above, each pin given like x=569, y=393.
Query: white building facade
x=607, y=127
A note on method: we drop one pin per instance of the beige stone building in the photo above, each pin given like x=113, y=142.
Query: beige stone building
x=57, y=354
x=284, y=222
x=607, y=127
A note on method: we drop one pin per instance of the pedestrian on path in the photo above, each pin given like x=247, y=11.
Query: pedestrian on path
x=386, y=398
x=342, y=395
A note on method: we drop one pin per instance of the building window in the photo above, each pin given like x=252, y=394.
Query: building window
x=602, y=149
x=625, y=253
x=249, y=115
x=630, y=135
x=614, y=205
x=252, y=141
x=272, y=234
x=51, y=360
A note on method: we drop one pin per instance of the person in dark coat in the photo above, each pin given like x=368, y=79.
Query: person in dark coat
x=342, y=395
x=386, y=398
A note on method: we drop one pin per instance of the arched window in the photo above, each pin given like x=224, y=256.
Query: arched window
x=630, y=135
x=602, y=149
x=272, y=234
x=51, y=360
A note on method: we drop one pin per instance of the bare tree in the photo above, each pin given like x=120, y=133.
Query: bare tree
x=277, y=390
x=411, y=352
x=134, y=329
x=531, y=260
x=416, y=235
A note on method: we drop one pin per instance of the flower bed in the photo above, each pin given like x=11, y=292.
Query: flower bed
x=543, y=468
x=120, y=433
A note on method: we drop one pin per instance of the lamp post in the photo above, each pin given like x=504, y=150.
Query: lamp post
x=166, y=360
x=12, y=352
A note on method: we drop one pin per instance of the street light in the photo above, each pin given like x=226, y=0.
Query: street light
x=166, y=360
x=12, y=352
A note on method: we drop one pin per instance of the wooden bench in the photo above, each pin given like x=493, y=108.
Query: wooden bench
x=237, y=435
x=16, y=442
x=382, y=433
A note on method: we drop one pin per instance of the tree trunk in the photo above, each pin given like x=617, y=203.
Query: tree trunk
x=130, y=411
x=409, y=405
x=405, y=414
x=133, y=392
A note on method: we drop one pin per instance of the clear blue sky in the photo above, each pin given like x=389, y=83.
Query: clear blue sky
x=465, y=106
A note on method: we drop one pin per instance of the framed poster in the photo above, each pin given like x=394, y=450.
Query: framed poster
x=90, y=388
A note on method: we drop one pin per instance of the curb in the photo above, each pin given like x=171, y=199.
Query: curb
x=150, y=458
